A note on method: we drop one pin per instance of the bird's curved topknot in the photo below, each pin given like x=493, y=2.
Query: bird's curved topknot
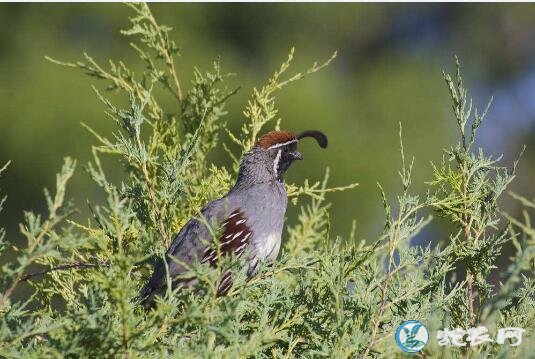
x=275, y=137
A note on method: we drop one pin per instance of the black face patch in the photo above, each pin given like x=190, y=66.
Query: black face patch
x=284, y=156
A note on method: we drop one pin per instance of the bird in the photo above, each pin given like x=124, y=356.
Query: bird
x=249, y=218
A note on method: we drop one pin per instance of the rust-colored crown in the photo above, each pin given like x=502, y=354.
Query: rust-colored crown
x=274, y=137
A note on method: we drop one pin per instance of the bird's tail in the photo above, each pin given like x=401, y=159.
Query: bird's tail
x=146, y=296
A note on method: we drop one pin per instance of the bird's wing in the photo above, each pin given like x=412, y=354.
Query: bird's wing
x=195, y=242
x=186, y=247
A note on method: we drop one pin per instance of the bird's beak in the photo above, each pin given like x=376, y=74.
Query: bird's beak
x=297, y=155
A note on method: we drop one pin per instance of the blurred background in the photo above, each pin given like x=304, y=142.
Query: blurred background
x=388, y=70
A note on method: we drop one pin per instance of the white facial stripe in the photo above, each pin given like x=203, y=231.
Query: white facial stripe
x=282, y=144
x=276, y=162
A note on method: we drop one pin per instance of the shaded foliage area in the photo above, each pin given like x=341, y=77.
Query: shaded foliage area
x=325, y=296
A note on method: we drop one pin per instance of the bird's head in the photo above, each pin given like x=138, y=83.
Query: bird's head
x=275, y=151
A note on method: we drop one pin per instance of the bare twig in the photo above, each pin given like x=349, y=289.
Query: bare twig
x=77, y=265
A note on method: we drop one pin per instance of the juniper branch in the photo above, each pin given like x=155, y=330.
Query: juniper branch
x=76, y=265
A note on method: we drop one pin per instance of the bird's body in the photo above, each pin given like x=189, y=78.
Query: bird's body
x=248, y=220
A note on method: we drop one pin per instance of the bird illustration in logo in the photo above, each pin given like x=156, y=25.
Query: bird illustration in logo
x=411, y=341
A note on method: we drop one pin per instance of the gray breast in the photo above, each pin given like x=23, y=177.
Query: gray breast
x=264, y=206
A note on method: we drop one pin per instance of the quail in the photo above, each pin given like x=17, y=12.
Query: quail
x=250, y=216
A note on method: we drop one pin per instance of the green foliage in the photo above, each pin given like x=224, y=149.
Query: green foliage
x=325, y=296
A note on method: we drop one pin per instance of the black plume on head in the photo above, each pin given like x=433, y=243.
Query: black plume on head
x=320, y=137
